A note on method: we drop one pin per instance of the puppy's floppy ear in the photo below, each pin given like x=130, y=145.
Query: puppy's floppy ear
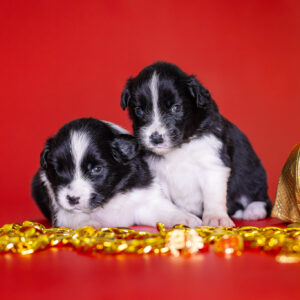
x=45, y=154
x=126, y=94
x=198, y=92
x=124, y=148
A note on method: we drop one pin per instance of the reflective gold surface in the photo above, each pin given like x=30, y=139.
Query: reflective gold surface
x=287, y=201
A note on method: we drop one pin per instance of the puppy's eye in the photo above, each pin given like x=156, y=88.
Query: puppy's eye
x=139, y=111
x=96, y=170
x=176, y=108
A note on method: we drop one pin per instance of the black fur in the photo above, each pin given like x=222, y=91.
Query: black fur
x=115, y=154
x=41, y=197
x=196, y=115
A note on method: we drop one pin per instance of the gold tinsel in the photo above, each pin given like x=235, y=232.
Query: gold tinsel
x=31, y=237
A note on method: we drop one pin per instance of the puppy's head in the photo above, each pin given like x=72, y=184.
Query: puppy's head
x=165, y=105
x=86, y=163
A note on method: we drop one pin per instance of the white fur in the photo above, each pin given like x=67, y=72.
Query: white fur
x=79, y=143
x=46, y=182
x=238, y=214
x=116, y=127
x=145, y=206
x=244, y=201
x=255, y=211
x=195, y=178
x=154, y=93
x=156, y=125
x=80, y=186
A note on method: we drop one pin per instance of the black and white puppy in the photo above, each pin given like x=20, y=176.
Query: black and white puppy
x=92, y=174
x=205, y=163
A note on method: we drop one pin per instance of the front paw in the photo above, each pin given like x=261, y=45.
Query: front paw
x=185, y=219
x=255, y=211
x=215, y=221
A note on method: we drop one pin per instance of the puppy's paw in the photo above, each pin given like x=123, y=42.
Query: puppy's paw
x=215, y=221
x=193, y=221
x=185, y=219
x=255, y=211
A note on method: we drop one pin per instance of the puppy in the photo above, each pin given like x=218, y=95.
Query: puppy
x=91, y=174
x=204, y=162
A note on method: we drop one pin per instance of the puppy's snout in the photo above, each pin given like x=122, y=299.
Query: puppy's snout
x=73, y=200
x=156, y=138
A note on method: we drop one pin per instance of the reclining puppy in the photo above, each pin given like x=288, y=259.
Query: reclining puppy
x=206, y=164
x=91, y=174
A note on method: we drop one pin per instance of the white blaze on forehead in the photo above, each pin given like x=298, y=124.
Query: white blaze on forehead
x=154, y=93
x=156, y=124
x=80, y=186
x=79, y=144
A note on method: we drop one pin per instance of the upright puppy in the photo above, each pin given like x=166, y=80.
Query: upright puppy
x=91, y=174
x=205, y=163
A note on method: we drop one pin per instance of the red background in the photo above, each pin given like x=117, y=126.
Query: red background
x=62, y=60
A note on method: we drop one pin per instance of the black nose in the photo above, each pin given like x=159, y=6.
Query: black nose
x=73, y=200
x=156, y=138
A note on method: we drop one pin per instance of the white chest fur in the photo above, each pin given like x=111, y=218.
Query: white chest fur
x=193, y=175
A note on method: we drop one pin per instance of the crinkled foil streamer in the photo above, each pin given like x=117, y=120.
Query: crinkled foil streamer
x=31, y=237
x=287, y=201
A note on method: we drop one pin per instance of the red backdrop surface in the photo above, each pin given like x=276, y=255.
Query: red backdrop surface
x=62, y=60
